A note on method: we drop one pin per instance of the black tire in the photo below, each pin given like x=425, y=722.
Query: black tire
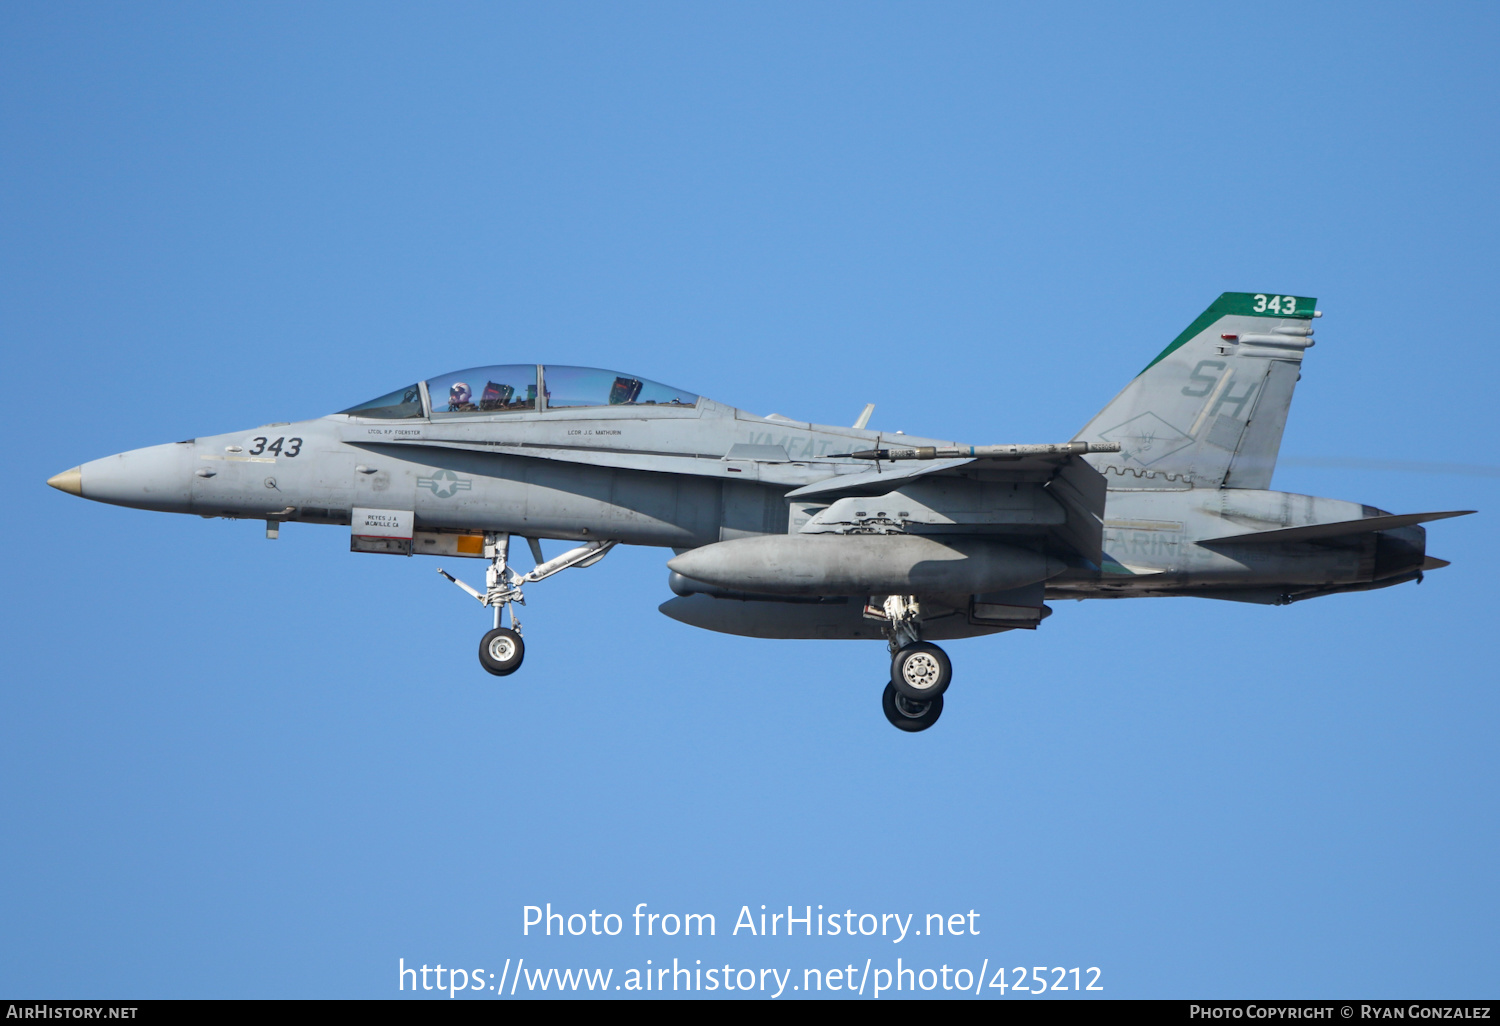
x=921, y=672
x=501, y=651
x=899, y=709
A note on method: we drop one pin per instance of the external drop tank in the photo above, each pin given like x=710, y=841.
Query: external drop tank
x=894, y=564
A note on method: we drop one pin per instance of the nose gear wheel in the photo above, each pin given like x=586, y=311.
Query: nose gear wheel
x=501, y=651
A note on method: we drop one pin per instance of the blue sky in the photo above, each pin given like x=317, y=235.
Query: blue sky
x=234, y=767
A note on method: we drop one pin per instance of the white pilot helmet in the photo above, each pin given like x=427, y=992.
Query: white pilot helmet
x=459, y=393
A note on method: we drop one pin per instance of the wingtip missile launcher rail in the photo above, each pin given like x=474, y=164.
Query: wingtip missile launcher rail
x=948, y=452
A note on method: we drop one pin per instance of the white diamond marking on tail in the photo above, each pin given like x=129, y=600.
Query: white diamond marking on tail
x=1146, y=438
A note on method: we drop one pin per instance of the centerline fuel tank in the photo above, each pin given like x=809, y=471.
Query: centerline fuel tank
x=865, y=565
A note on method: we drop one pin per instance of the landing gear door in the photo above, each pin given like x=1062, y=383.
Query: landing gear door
x=387, y=531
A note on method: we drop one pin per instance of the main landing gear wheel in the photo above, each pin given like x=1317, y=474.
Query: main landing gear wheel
x=921, y=672
x=908, y=715
x=501, y=651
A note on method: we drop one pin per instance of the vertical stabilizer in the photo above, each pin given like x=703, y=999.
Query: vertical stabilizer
x=1208, y=412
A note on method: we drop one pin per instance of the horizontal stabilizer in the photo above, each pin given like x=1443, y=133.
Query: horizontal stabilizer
x=1342, y=529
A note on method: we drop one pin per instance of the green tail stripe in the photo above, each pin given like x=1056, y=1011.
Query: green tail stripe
x=1247, y=304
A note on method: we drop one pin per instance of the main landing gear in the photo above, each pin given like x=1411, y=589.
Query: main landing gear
x=920, y=672
x=501, y=649
x=907, y=715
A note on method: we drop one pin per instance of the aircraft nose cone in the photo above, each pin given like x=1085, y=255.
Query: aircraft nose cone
x=70, y=481
x=157, y=477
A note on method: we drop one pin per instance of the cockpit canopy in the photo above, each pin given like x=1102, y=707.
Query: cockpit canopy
x=485, y=390
x=518, y=388
x=398, y=405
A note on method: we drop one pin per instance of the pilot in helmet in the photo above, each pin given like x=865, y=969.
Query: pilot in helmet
x=459, y=395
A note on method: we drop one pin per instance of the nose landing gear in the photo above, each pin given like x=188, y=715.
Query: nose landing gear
x=501, y=649
x=920, y=672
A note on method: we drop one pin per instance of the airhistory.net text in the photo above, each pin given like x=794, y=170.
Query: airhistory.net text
x=806, y=922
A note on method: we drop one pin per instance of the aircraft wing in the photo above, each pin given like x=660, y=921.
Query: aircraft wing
x=873, y=481
x=949, y=485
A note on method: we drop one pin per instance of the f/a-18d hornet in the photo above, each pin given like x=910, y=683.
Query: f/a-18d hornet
x=785, y=529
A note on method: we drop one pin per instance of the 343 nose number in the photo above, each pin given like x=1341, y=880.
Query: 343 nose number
x=280, y=447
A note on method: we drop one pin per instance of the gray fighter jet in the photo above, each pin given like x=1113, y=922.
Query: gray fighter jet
x=785, y=529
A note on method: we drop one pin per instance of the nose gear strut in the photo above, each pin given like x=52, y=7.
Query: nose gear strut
x=501, y=650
